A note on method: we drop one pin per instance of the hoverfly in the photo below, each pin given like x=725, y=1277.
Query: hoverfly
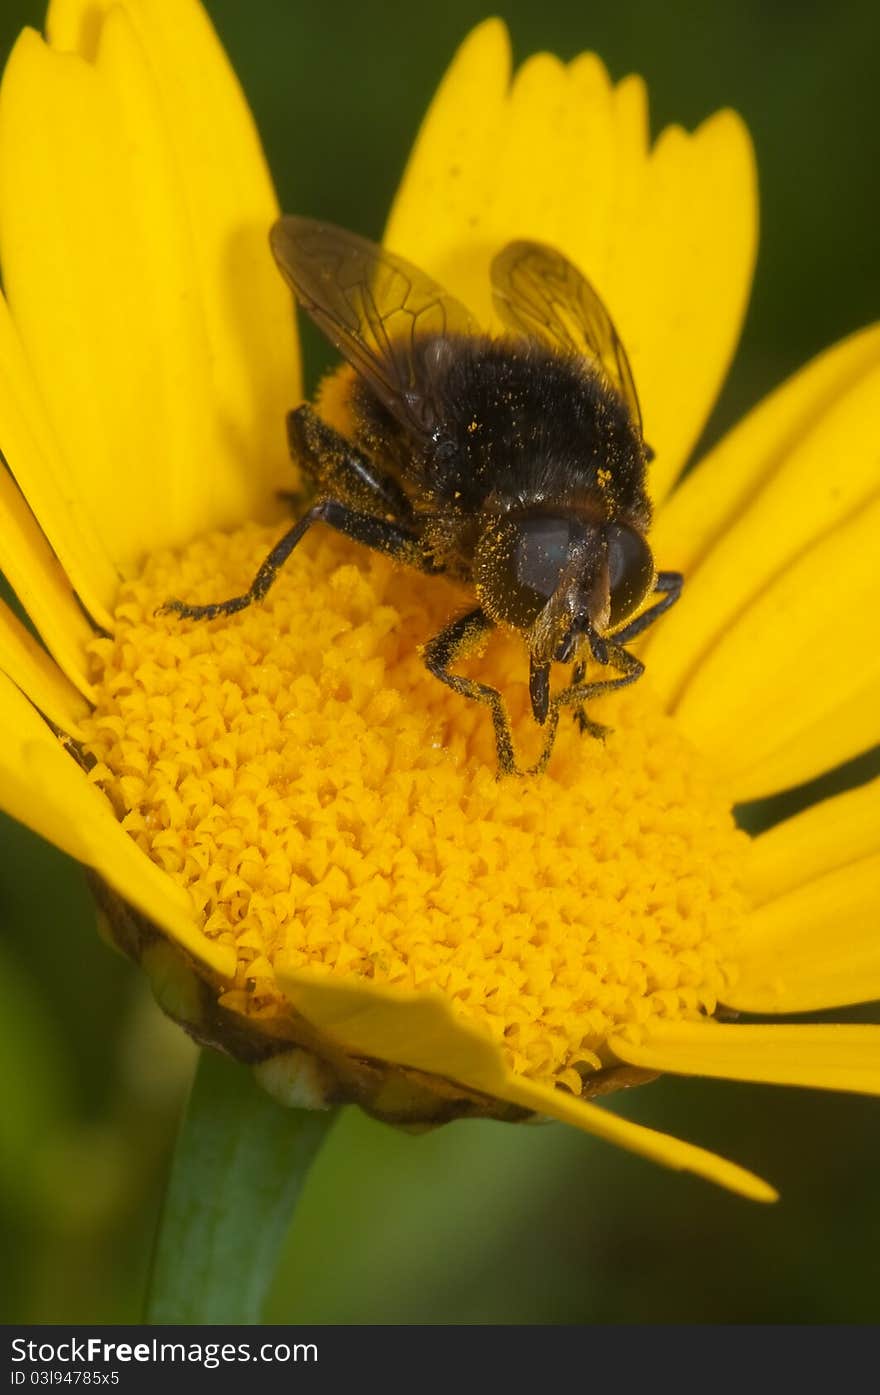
x=515, y=465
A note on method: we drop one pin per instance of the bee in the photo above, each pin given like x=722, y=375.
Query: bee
x=514, y=464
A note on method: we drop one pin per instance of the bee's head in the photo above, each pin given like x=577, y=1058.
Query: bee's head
x=563, y=581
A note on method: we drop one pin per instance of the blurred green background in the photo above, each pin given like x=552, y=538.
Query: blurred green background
x=478, y=1222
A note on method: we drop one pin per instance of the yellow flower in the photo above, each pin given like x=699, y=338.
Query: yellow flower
x=292, y=826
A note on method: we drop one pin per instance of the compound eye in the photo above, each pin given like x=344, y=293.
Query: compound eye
x=630, y=570
x=518, y=565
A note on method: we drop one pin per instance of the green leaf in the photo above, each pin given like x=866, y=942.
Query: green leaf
x=238, y=1170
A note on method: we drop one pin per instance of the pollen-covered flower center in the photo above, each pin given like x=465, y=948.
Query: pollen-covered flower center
x=326, y=802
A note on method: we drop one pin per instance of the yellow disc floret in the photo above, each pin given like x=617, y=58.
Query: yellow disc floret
x=326, y=802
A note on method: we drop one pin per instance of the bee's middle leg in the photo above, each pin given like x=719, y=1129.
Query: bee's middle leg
x=443, y=651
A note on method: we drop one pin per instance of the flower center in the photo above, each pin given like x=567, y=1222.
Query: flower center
x=327, y=802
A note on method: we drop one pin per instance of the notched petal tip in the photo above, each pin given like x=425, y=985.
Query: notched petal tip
x=145, y=178
x=667, y=235
x=487, y=44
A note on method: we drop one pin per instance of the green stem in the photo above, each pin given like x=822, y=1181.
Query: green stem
x=238, y=1170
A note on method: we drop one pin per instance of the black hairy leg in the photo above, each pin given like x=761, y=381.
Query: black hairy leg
x=585, y=724
x=376, y=533
x=668, y=585
x=451, y=644
x=629, y=667
x=339, y=470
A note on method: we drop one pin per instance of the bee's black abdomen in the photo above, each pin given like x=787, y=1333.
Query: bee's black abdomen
x=517, y=426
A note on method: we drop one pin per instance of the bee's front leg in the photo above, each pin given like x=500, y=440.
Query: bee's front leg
x=629, y=667
x=668, y=586
x=585, y=724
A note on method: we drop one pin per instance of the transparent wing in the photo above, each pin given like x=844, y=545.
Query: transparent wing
x=539, y=293
x=373, y=306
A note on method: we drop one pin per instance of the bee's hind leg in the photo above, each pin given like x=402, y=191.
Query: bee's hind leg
x=451, y=644
x=337, y=468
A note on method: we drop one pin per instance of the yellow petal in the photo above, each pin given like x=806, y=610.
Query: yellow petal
x=667, y=235
x=231, y=204
x=438, y=217
x=31, y=451
x=43, y=787
x=29, y=666
x=828, y=741
x=791, y=662
x=94, y=249
x=823, y=1057
x=45, y=593
x=822, y=838
x=92, y=246
x=393, y=1024
x=422, y=1031
x=98, y=247
x=796, y=467
x=817, y=946
x=658, y=1147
